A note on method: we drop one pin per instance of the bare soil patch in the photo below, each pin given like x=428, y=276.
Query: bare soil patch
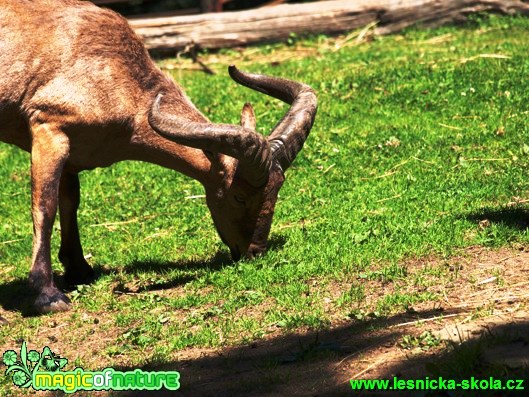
x=485, y=306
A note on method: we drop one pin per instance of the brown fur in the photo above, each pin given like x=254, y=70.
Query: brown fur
x=75, y=90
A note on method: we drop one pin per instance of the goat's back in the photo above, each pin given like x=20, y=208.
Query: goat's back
x=72, y=51
x=72, y=59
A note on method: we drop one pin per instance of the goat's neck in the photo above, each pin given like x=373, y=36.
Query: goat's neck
x=189, y=161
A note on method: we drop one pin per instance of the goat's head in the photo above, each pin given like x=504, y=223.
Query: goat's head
x=249, y=166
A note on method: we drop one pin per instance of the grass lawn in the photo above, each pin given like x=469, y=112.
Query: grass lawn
x=419, y=155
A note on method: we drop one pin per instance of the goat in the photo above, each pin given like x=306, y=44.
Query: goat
x=78, y=90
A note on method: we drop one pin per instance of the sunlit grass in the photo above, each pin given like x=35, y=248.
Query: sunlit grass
x=418, y=138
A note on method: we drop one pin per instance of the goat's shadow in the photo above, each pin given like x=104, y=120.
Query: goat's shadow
x=513, y=217
x=190, y=268
x=17, y=296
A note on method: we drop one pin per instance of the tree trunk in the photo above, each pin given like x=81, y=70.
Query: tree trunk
x=229, y=29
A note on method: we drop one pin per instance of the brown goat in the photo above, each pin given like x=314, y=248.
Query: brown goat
x=78, y=90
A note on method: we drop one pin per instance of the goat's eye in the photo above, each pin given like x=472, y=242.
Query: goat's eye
x=239, y=199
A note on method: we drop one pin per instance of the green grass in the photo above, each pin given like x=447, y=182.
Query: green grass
x=418, y=138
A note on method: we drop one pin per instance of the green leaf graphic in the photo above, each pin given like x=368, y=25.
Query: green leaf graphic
x=20, y=378
x=24, y=354
x=62, y=362
x=9, y=357
x=34, y=356
x=21, y=370
x=51, y=361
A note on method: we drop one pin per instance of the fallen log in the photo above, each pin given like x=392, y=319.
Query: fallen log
x=276, y=23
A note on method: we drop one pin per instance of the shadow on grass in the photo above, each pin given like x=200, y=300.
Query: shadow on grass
x=321, y=363
x=190, y=268
x=215, y=263
x=516, y=218
x=17, y=296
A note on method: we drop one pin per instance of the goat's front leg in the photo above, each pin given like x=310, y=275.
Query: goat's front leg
x=49, y=151
x=76, y=269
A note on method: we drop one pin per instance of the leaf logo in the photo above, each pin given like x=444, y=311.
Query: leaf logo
x=22, y=369
x=51, y=361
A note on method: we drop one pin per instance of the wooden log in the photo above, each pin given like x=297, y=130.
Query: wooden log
x=229, y=29
x=211, y=5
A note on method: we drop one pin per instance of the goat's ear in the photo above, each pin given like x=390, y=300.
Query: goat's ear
x=248, y=116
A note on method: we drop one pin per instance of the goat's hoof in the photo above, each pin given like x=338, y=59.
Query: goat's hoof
x=51, y=303
x=80, y=275
x=254, y=251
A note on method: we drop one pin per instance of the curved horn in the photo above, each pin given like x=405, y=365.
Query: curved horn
x=289, y=135
x=250, y=148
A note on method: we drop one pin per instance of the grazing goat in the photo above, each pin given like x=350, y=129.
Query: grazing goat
x=78, y=90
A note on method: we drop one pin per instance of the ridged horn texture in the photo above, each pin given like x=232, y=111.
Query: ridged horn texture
x=289, y=135
x=250, y=148
x=255, y=153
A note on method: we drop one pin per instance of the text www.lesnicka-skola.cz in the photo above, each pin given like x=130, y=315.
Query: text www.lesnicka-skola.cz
x=437, y=384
